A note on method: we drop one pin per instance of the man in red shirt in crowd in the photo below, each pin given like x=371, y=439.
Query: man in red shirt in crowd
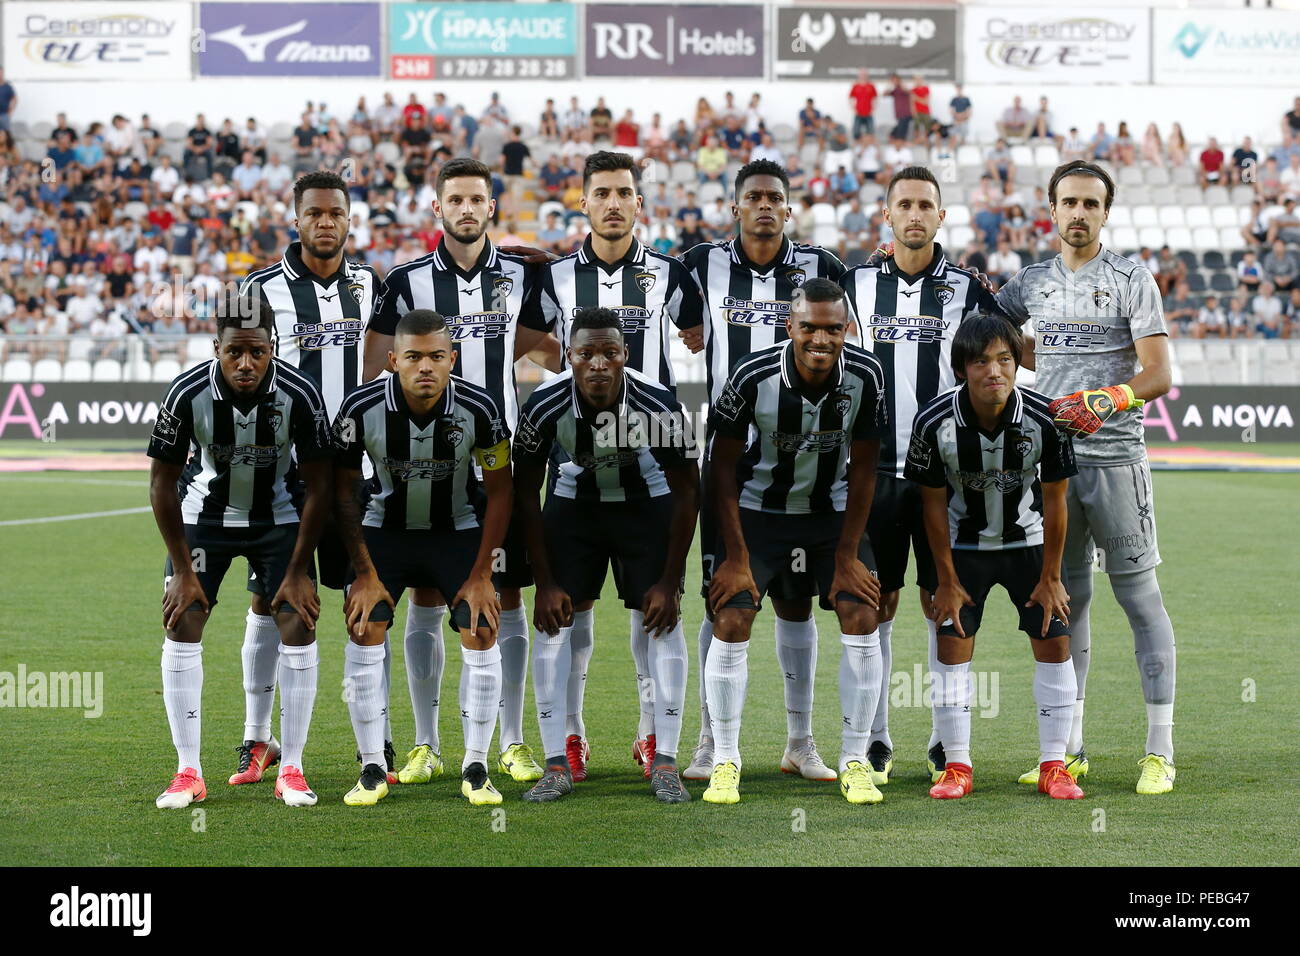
x=863, y=96
x=627, y=135
x=414, y=108
x=921, y=105
x=1211, y=164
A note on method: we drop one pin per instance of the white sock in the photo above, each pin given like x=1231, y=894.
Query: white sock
x=299, y=667
x=260, y=656
x=1160, y=730
x=1075, y=743
x=645, y=687
x=582, y=642
x=480, y=697
x=952, y=694
x=426, y=658
x=668, y=667
x=182, y=680
x=1054, y=693
x=796, y=655
x=363, y=670
x=932, y=659
x=859, y=691
x=388, y=682
x=552, y=659
x=726, y=677
x=512, y=638
x=880, y=723
x=705, y=639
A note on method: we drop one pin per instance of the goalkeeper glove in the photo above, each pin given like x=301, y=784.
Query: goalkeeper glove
x=1084, y=412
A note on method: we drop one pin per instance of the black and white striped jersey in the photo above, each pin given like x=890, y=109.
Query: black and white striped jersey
x=798, y=448
x=320, y=324
x=423, y=464
x=615, y=455
x=240, y=472
x=910, y=322
x=747, y=305
x=995, y=496
x=481, y=306
x=650, y=293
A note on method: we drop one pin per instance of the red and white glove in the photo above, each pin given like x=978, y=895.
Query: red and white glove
x=1084, y=412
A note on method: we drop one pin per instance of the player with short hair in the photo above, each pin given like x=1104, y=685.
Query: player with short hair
x=748, y=283
x=624, y=492
x=649, y=292
x=481, y=292
x=910, y=304
x=797, y=430
x=420, y=429
x=221, y=485
x=993, y=472
x=1097, y=318
x=322, y=302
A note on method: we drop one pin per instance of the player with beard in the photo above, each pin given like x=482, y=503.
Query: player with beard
x=910, y=305
x=1098, y=318
x=480, y=291
x=322, y=303
x=648, y=292
x=749, y=283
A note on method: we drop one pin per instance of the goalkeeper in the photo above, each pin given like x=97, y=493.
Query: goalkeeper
x=1101, y=350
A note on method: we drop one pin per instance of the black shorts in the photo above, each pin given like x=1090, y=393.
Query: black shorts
x=799, y=547
x=1017, y=570
x=584, y=539
x=518, y=570
x=895, y=525
x=422, y=559
x=788, y=586
x=333, y=566
x=268, y=551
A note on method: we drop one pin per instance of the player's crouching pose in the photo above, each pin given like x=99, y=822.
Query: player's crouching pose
x=790, y=497
x=239, y=414
x=421, y=427
x=991, y=518
x=626, y=494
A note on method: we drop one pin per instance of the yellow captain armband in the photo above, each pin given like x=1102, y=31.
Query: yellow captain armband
x=498, y=456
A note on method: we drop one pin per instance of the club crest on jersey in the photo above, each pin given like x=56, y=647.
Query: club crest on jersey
x=453, y=434
x=503, y=286
x=796, y=276
x=275, y=418
x=1024, y=446
x=944, y=293
x=1101, y=298
x=358, y=291
x=843, y=403
x=645, y=281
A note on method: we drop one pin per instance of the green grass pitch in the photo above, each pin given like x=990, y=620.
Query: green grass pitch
x=84, y=595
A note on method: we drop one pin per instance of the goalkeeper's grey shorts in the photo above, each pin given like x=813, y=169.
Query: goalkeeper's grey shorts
x=1111, y=508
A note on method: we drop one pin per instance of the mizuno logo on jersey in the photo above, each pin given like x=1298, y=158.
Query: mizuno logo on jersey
x=313, y=336
x=478, y=325
x=907, y=328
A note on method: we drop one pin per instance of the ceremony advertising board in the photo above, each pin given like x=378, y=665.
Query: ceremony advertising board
x=1052, y=44
x=98, y=41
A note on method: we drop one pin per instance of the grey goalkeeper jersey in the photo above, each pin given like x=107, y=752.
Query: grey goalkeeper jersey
x=1085, y=323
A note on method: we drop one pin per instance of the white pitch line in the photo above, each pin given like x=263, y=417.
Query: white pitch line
x=118, y=482
x=88, y=514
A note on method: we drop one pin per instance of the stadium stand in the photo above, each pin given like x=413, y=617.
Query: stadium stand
x=109, y=268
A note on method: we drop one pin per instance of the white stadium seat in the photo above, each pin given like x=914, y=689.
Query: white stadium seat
x=199, y=348
x=1198, y=216
x=1125, y=238
x=1205, y=238
x=164, y=370
x=684, y=172
x=1189, y=350
x=960, y=238
x=1156, y=175
x=1146, y=216
x=76, y=370
x=16, y=370
x=106, y=370
x=1171, y=216
x=80, y=348
x=1130, y=176
x=709, y=192
x=1217, y=196
x=1165, y=195
x=1184, y=176
x=958, y=215
x=1190, y=195
x=1022, y=156
x=1047, y=157
x=969, y=156
x=1223, y=217
x=1242, y=195
x=1152, y=236
x=47, y=370
x=1178, y=238
x=1120, y=216
x=1231, y=239
x=1138, y=195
